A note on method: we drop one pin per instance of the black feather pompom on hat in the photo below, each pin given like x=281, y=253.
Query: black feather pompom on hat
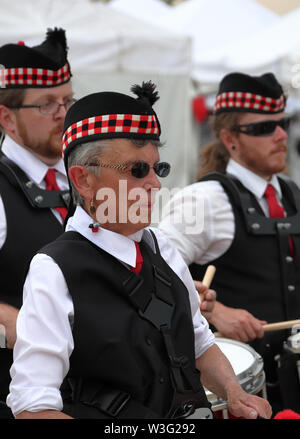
x=146, y=91
x=55, y=46
x=44, y=65
x=111, y=115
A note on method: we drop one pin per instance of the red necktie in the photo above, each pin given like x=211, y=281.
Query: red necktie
x=139, y=259
x=275, y=210
x=51, y=185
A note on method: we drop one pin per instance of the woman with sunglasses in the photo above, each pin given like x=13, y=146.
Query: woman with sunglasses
x=111, y=326
x=257, y=259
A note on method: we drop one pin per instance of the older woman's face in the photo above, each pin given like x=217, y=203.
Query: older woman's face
x=124, y=202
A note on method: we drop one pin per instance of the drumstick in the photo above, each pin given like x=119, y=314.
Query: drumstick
x=273, y=326
x=280, y=325
x=208, y=277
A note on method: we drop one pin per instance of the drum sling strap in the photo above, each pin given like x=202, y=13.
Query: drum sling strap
x=157, y=309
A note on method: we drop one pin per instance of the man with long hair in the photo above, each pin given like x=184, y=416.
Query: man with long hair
x=250, y=224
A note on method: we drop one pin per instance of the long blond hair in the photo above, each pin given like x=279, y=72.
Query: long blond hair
x=214, y=156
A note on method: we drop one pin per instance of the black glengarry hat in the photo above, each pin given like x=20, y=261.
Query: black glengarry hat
x=254, y=94
x=112, y=115
x=45, y=65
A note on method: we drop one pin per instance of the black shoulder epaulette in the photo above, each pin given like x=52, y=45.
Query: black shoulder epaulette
x=38, y=198
x=257, y=223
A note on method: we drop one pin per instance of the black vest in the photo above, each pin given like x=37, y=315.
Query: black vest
x=133, y=334
x=29, y=227
x=257, y=272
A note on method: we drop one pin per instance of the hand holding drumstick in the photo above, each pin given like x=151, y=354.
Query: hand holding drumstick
x=237, y=324
x=208, y=277
x=205, y=284
x=207, y=296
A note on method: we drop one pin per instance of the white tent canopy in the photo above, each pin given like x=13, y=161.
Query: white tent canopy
x=278, y=43
x=111, y=51
x=231, y=35
x=146, y=10
x=213, y=25
x=99, y=36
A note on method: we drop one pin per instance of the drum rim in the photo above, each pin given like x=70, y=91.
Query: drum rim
x=220, y=404
x=257, y=365
x=252, y=379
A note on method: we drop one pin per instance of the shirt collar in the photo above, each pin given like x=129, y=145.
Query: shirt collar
x=253, y=182
x=120, y=246
x=33, y=167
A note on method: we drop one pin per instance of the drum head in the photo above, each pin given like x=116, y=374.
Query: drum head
x=241, y=356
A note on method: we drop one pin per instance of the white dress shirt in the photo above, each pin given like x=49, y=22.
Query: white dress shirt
x=44, y=326
x=35, y=169
x=213, y=234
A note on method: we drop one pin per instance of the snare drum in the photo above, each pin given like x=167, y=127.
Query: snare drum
x=289, y=372
x=248, y=367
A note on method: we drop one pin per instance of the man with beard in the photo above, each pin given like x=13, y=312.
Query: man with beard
x=251, y=218
x=35, y=94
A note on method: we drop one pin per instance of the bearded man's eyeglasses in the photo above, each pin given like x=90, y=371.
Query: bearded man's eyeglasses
x=49, y=108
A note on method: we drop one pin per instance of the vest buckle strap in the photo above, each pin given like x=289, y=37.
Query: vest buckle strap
x=138, y=296
x=150, y=306
x=163, y=285
x=160, y=275
x=187, y=408
x=133, y=283
x=181, y=369
x=184, y=410
x=158, y=312
x=110, y=401
x=181, y=361
x=176, y=362
x=102, y=397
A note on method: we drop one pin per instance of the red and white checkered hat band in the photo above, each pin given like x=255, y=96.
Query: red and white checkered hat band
x=248, y=101
x=29, y=76
x=111, y=123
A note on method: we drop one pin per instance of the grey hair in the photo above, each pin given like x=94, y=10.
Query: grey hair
x=81, y=155
x=89, y=152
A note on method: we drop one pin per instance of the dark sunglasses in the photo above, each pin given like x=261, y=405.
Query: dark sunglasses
x=139, y=169
x=264, y=128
